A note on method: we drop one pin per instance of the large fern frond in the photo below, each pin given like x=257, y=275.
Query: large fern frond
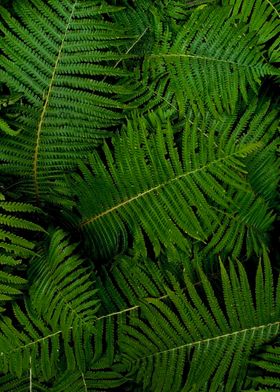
x=197, y=341
x=172, y=194
x=57, y=56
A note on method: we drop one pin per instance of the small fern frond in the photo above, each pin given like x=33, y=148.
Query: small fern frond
x=5, y=122
x=28, y=339
x=199, y=341
x=260, y=16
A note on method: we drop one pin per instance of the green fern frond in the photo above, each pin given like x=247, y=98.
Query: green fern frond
x=15, y=246
x=70, y=106
x=208, y=64
x=62, y=292
x=121, y=292
x=173, y=194
x=29, y=342
x=198, y=341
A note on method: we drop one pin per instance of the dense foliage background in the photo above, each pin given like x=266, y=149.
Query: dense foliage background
x=139, y=195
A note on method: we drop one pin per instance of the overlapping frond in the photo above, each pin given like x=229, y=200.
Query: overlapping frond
x=121, y=292
x=200, y=341
x=62, y=292
x=99, y=378
x=265, y=369
x=208, y=64
x=15, y=246
x=57, y=55
x=173, y=193
x=260, y=16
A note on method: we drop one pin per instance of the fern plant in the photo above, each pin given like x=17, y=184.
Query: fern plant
x=69, y=105
x=215, y=339
x=204, y=178
x=139, y=195
x=207, y=66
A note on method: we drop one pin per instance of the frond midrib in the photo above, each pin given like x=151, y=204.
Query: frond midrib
x=155, y=188
x=46, y=103
x=198, y=57
x=209, y=340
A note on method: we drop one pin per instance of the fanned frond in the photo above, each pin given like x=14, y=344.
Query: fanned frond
x=57, y=55
x=198, y=341
x=62, y=292
x=207, y=64
x=15, y=246
x=173, y=194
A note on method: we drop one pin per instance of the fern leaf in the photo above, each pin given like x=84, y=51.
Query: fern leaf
x=207, y=64
x=68, y=106
x=62, y=292
x=187, y=344
x=172, y=194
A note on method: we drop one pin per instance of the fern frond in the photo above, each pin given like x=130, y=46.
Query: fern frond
x=15, y=246
x=173, y=194
x=199, y=341
x=260, y=16
x=25, y=383
x=62, y=292
x=121, y=291
x=28, y=339
x=69, y=108
x=207, y=64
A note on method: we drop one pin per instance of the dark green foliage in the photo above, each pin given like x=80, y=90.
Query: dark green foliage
x=139, y=195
